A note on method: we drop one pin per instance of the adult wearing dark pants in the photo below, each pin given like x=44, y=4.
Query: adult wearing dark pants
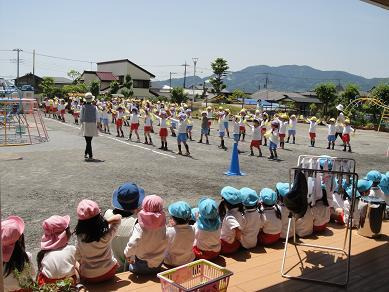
x=339, y=122
x=88, y=118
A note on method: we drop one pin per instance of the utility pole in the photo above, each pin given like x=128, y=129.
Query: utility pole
x=185, y=65
x=170, y=80
x=33, y=62
x=194, y=78
x=17, y=61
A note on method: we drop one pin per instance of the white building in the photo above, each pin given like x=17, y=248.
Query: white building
x=140, y=77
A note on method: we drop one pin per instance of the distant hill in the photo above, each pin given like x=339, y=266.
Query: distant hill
x=286, y=77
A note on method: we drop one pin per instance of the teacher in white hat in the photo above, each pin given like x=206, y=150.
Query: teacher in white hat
x=88, y=119
x=339, y=122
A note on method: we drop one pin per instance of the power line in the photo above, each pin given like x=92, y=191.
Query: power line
x=61, y=58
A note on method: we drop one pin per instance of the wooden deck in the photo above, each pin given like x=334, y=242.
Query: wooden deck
x=259, y=270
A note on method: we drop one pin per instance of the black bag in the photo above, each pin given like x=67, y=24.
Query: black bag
x=296, y=199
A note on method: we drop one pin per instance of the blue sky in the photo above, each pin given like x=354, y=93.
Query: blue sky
x=347, y=35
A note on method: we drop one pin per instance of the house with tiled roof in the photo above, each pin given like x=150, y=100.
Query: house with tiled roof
x=104, y=78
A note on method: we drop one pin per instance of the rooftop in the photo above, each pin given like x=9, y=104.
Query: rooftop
x=128, y=61
x=276, y=96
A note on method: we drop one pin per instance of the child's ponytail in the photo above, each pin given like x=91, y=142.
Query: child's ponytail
x=222, y=209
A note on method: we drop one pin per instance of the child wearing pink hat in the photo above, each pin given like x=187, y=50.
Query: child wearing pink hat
x=56, y=259
x=15, y=256
x=147, y=245
x=93, y=248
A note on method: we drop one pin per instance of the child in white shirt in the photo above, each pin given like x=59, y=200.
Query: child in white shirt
x=207, y=230
x=281, y=190
x=312, y=129
x=119, y=122
x=304, y=225
x=331, y=133
x=222, y=130
x=375, y=177
x=283, y=122
x=264, y=121
x=346, y=135
x=147, y=128
x=242, y=124
x=273, y=140
x=104, y=120
x=163, y=130
x=270, y=218
x=182, y=136
x=93, y=247
x=321, y=211
x=180, y=236
x=134, y=124
x=147, y=245
x=56, y=259
x=209, y=117
x=231, y=212
x=252, y=218
x=226, y=120
x=256, y=139
x=292, y=128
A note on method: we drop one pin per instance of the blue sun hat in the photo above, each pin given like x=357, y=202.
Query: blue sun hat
x=249, y=197
x=208, y=219
x=349, y=192
x=323, y=160
x=231, y=195
x=384, y=184
x=282, y=188
x=128, y=197
x=268, y=196
x=374, y=176
x=180, y=210
x=194, y=214
x=364, y=185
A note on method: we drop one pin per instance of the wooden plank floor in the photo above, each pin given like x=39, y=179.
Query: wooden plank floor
x=259, y=269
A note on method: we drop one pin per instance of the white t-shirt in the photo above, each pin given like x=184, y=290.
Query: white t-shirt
x=356, y=215
x=304, y=225
x=147, y=245
x=104, y=115
x=232, y=220
x=377, y=192
x=256, y=133
x=147, y=121
x=162, y=123
x=221, y=126
x=12, y=284
x=274, y=136
x=271, y=223
x=321, y=214
x=312, y=127
x=347, y=129
x=96, y=258
x=207, y=240
x=283, y=126
x=331, y=129
x=134, y=119
x=292, y=124
x=209, y=114
x=339, y=123
x=251, y=228
x=58, y=264
x=236, y=127
x=180, y=242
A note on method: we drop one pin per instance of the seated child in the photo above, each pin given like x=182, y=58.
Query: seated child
x=338, y=198
x=126, y=201
x=147, y=245
x=231, y=212
x=56, y=259
x=93, y=247
x=281, y=190
x=271, y=218
x=384, y=185
x=375, y=177
x=304, y=225
x=321, y=211
x=253, y=219
x=207, y=230
x=15, y=256
x=363, y=189
x=180, y=235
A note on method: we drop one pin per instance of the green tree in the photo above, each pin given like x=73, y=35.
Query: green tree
x=94, y=88
x=74, y=75
x=75, y=88
x=126, y=92
x=236, y=95
x=326, y=93
x=350, y=92
x=219, y=68
x=47, y=86
x=178, y=95
x=128, y=84
x=113, y=87
x=381, y=92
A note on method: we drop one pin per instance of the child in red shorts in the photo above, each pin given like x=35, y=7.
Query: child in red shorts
x=147, y=128
x=119, y=122
x=256, y=138
x=163, y=130
x=312, y=129
x=134, y=124
x=346, y=135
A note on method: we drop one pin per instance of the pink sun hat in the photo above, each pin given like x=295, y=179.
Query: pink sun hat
x=55, y=236
x=11, y=230
x=87, y=209
x=152, y=216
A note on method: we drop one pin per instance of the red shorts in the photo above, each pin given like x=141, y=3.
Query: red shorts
x=263, y=131
x=346, y=138
x=134, y=126
x=320, y=228
x=42, y=279
x=54, y=109
x=147, y=128
x=209, y=123
x=312, y=135
x=282, y=136
x=256, y=143
x=47, y=108
x=267, y=239
x=228, y=248
x=107, y=276
x=242, y=128
x=119, y=122
x=163, y=132
x=204, y=254
x=62, y=112
x=76, y=115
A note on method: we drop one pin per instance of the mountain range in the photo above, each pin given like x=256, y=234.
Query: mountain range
x=286, y=78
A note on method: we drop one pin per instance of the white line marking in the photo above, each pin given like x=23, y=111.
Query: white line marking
x=115, y=139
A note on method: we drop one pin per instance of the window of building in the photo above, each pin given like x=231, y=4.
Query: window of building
x=121, y=79
x=141, y=83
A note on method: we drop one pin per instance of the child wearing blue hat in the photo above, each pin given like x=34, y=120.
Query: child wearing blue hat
x=270, y=216
x=281, y=190
x=384, y=185
x=207, y=230
x=126, y=201
x=253, y=219
x=320, y=210
x=180, y=235
x=231, y=212
x=182, y=136
x=375, y=191
x=363, y=189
